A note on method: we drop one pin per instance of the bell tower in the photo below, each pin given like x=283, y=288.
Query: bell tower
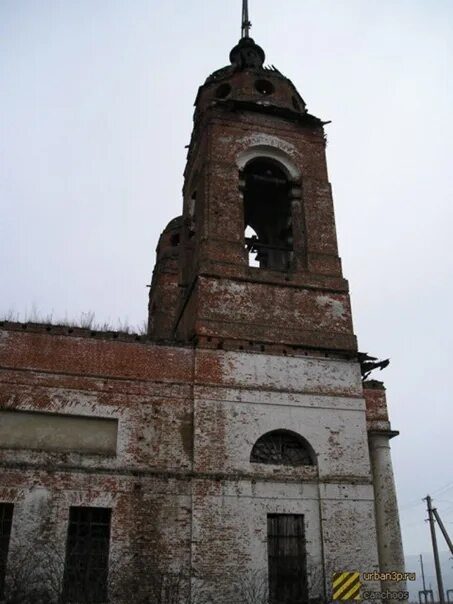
x=289, y=444
x=257, y=249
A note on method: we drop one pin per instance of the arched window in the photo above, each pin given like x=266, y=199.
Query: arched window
x=282, y=447
x=267, y=210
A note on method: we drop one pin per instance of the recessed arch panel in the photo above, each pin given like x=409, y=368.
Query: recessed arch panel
x=284, y=448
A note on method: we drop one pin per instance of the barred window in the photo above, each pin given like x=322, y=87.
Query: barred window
x=6, y=519
x=287, y=559
x=87, y=553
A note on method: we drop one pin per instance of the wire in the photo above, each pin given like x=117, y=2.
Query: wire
x=413, y=503
x=443, y=489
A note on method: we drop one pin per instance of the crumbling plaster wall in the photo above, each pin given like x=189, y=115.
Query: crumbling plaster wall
x=147, y=390
x=320, y=399
x=182, y=483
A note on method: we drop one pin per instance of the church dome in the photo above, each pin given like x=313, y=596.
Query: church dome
x=248, y=82
x=169, y=240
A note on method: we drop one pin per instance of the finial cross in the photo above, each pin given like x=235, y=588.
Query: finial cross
x=245, y=19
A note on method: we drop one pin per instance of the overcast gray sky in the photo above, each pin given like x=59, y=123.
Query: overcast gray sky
x=96, y=100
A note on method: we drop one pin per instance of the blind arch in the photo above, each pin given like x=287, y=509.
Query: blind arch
x=283, y=447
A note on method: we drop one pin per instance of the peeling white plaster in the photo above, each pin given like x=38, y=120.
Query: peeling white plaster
x=335, y=307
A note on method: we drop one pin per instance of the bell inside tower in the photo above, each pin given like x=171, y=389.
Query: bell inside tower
x=267, y=214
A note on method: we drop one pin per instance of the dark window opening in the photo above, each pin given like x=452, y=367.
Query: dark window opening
x=264, y=87
x=281, y=447
x=174, y=239
x=6, y=519
x=192, y=214
x=287, y=559
x=223, y=91
x=87, y=553
x=267, y=210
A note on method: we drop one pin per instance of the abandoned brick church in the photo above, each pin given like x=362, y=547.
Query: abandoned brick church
x=235, y=447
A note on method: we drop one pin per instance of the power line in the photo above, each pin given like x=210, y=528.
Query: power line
x=414, y=502
x=444, y=488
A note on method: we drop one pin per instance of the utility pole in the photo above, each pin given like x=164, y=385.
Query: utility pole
x=440, y=586
x=443, y=529
x=425, y=595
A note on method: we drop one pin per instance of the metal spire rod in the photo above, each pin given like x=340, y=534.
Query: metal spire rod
x=246, y=25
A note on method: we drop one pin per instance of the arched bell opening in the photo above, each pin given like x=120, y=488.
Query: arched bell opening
x=267, y=211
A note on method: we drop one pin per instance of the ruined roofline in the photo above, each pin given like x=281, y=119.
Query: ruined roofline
x=52, y=329
x=207, y=342
x=68, y=330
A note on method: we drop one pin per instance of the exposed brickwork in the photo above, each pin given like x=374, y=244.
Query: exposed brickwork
x=182, y=483
x=233, y=352
x=376, y=403
x=164, y=293
x=94, y=356
x=220, y=295
x=376, y=406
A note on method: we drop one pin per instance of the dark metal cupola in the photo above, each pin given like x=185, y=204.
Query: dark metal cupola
x=246, y=53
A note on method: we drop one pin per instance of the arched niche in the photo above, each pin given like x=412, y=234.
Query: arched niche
x=284, y=448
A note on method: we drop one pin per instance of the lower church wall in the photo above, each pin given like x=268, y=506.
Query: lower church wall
x=212, y=530
x=186, y=501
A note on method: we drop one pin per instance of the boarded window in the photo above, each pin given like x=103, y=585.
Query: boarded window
x=287, y=559
x=57, y=432
x=87, y=554
x=6, y=518
x=281, y=447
